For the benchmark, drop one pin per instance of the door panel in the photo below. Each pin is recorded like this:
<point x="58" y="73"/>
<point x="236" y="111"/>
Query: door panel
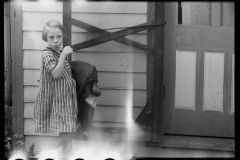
<point x="204" y="72"/>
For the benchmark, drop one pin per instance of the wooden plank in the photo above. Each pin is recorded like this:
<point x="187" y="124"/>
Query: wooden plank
<point x="116" y="62"/>
<point x="106" y="38"/>
<point x="205" y="143"/>
<point x="108" y="97"/>
<point x="81" y="37"/>
<point x="17" y="69"/>
<point x="32" y="58"/>
<point x="103" y="21"/>
<point x="169" y="77"/>
<point x="109" y="7"/>
<point x="100" y="32"/>
<point x="215" y="39"/>
<point x="145" y="113"/>
<point x="227" y="82"/>
<point x="233" y="85"/>
<point x="199" y="123"/>
<point x="185" y="79"/>
<point x="110" y="46"/>
<point x="34" y="21"/>
<point x="89" y="7"/>
<point x="199" y="81"/>
<point x="108" y="80"/>
<point x="42" y="6"/>
<point x="195" y="13"/>
<point x="67" y="16"/>
<point x="213" y="81"/>
<point x="104" y="61"/>
<point x="186" y="13"/>
<point x="6" y="36"/>
<point x="216" y="14"/>
<point x="33" y="41"/>
<point x="7" y="56"/>
<point x="228" y="14"/>
<point x="158" y="43"/>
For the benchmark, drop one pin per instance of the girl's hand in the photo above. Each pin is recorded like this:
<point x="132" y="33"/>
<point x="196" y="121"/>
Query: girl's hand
<point x="67" y="51"/>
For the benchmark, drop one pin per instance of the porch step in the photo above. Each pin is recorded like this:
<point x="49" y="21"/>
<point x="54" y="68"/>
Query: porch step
<point x="173" y="141"/>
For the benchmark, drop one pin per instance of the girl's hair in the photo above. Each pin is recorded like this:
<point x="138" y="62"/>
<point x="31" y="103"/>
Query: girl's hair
<point x="53" y="24"/>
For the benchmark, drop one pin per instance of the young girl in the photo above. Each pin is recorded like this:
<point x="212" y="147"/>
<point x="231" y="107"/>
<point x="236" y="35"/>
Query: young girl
<point x="55" y="109"/>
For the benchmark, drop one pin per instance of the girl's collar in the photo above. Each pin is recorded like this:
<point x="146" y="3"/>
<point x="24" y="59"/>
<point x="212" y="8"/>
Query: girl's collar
<point x="53" y="51"/>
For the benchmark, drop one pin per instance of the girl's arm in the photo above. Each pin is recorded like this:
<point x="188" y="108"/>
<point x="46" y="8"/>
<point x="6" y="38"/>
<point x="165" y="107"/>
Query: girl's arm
<point x="58" y="70"/>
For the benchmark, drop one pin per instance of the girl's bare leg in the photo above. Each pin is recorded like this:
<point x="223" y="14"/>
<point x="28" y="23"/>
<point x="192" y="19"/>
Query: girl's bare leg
<point x="95" y="89"/>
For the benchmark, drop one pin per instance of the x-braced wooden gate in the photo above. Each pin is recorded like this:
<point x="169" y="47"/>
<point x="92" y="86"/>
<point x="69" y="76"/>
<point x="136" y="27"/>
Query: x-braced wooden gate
<point x="154" y="48"/>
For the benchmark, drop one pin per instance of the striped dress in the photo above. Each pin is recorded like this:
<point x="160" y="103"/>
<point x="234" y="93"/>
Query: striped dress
<point x="55" y="109"/>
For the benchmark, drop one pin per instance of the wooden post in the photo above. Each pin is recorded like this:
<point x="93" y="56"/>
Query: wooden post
<point x="156" y="14"/>
<point x="17" y="71"/>
<point x="67" y="17"/>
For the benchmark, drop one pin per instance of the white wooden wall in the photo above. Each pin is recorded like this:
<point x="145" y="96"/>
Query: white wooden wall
<point x="115" y="62"/>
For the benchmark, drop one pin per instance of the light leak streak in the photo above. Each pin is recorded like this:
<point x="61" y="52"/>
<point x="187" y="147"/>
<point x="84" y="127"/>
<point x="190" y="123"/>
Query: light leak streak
<point x="18" y="154"/>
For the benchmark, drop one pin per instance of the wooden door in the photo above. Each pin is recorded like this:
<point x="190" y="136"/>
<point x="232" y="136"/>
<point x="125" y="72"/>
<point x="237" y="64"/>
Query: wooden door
<point x="199" y="69"/>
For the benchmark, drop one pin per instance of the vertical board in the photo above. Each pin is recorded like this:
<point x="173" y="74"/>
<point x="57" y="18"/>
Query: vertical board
<point x="233" y="85"/>
<point x="186" y="13"/>
<point x="228" y="14"/>
<point x="185" y="79"/>
<point x="196" y="13"/>
<point x="216" y="14"/>
<point x="213" y="81"/>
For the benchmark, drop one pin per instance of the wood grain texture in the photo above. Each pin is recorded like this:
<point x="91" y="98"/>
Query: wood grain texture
<point x="17" y="69"/>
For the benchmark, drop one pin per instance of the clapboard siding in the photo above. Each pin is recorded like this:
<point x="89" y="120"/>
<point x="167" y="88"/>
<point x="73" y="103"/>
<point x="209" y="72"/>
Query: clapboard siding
<point x="106" y="79"/>
<point x="33" y="40"/>
<point x="104" y="61"/>
<point x="108" y="97"/>
<point x="92" y="7"/>
<point x="103" y="21"/>
<point x="118" y="65"/>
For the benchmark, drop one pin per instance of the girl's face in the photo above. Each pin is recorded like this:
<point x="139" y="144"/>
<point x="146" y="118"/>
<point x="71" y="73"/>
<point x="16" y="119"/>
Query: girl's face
<point x="54" y="38"/>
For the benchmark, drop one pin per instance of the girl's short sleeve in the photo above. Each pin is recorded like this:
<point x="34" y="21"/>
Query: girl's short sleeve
<point x="49" y="61"/>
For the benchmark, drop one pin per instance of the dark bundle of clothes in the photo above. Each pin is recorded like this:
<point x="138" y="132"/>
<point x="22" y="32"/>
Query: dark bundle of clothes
<point x="85" y="76"/>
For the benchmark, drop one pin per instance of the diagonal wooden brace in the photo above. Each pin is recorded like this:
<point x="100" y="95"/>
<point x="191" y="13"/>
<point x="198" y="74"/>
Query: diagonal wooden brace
<point x="102" y="32"/>
<point x="107" y="36"/>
